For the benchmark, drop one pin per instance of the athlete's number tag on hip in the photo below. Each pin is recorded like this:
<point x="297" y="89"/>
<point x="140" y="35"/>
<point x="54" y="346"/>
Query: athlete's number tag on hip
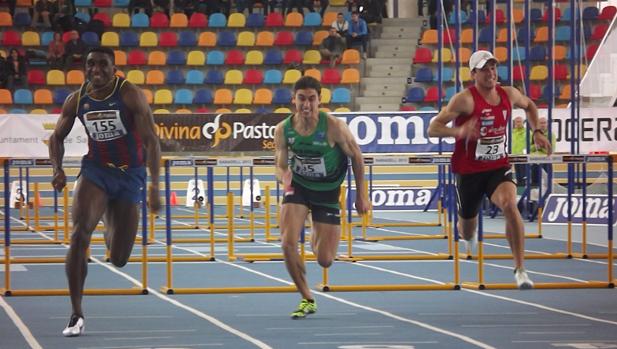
<point x="491" y="148"/>
<point x="310" y="167"/>
<point x="104" y="125"/>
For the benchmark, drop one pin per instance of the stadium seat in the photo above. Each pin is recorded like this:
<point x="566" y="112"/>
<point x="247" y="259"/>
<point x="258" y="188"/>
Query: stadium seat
<point x="500" y="17"/>
<point x="590" y="13"/>
<point x="234" y="57"/>
<point x="30" y="38"/>
<point x="446" y="55"/>
<point x="203" y="96"/>
<point x="255" y="20"/>
<point x="429" y="37"/>
<point x="253" y="77"/>
<point x="140" y="20"/>
<point x="535" y="15"/>
<point x="432" y="94"/>
<point x="137" y="57"/>
<point x="246" y="39"/>
<point x="591" y="51"/>
<point x="450" y="91"/>
<point x="318" y="37"/>
<point x="328" y="18"/>
<point x="39" y="111"/>
<point x="176" y="57"/>
<point x="519" y="73"/>
<point x="292" y="56"/>
<point x="243" y="96"/>
<point x="502" y="36"/>
<point x="254" y="57"/>
<point x="422" y="55"/>
<point x="342" y="110"/>
<point x="102" y="3"/>
<point x="598" y="32"/>
<point x="159" y="20"/>
<point x="464" y="74"/>
<point x="341" y="95"/>
<point x="202" y="110"/>
<point x="178" y="20"/>
<point x="233" y="77"/>
<point x="75" y="77"/>
<point x="314" y="73"/>
<point x="282" y="110"/>
<point x="183" y="111"/>
<point x="215" y="57"/>
<point x="538" y="53"/>
<point x="46" y="38"/>
<point x="60" y="95"/>
<point x="120" y="3"/>
<point x="294" y="19"/>
<point x="350" y="76"/>
<point x="207" y="39"/>
<point x="273" y="76"/>
<point x="265" y="39"/>
<point x="291" y="76"/>
<point x="226" y="38"/>
<point x="503" y="74"/>
<point x="104" y="18"/>
<point x="174" y="77"/>
<point x="5" y="19"/>
<point x="281" y="96"/>
<point x="22" y="19"/>
<point x="110" y="39"/>
<point x="120" y="20"/>
<point x="157" y="58"/>
<point x="194" y="77"/>
<point x="148" y="39"/>
<point x="273" y="56"/>
<point x="43" y="96"/>
<point x="467" y="36"/>
<point x="91" y="39"/>
<point x="331" y="76"/>
<point x="214" y="77"/>
<point x="217" y="20"/>
<point x="196" y="58"/>
<point x="312" y="19"/>
<point x="325" y="95"/>
<point x="18" y="111"/>
<point x="22" y="96"/>
<point x="561" y="72"/>
<point x="541" y="35"/>
<point x="414" y="95"/>
<point x="168" y="39"/>
<point x="559" y="52"/>
<point x="311" y="57"/>
<point x="183" y="96"/>
<point x="565" y="92"/>
<point x="243" y="111"/>
<point x="161" y="111"/>
<point x="198" y="20"/>
<point x="6" y="97"/>
<point x="120" y="58"/>
<point x="304" y="38"/>
<point x="236" y="20"/>
<point x="163" y="96"/>
<point x="351" y="57"/>
<point x="36" y="77"/>
<point x="129" y="38"/>
<point x="154" y="77"/>
<point x="148" y="94"/>
<point x="549" y="95"/>
<point x="608" y="13"/>
<point x="11" y="38"/>
<point x="262" y="109"/>
<point x="464" y="54"/>
<point x="136" y="76"/>
<point x="223" y="96"/>
<point x="284" y="38"/>
<point x="486" y="35"/>
<point x="187" y="38"/>
<point x="522" y="35"/>
<point x="55" y="77"/>
<point x="535" y="92"/>
<point x="274" y="19"/>
<point x="562" y="33"/>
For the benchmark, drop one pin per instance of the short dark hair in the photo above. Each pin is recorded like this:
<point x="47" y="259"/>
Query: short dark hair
<point x="339" y="14"/>
<point x="105" y="50"/>
<point x="355" y="13"/>
<point x="307" y="82"/>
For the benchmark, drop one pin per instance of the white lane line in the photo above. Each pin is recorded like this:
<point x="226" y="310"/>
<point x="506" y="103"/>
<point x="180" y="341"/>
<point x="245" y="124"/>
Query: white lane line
<point x="575" y="324"/>
<point x="135" y="338"/>
<point x="140" y="331"/>
<point x="315" y="328"/>
<point x="122" y="317"/>
<point x="348" y="333"/>
<point x="170" y="346"/>
<point x="23" y="329"/>
<point x="550" y="332"/>
<point x="366" y="344"/>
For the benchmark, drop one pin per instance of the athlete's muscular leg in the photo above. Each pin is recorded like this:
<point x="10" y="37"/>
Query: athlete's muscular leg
<point x="121" y="221"/>
<point x="324" y="242"/>
<point x="467" y="227"/>
<point x="292" y="223"/>
<point x="505" y="198"/>
<point x="89" y="204"/>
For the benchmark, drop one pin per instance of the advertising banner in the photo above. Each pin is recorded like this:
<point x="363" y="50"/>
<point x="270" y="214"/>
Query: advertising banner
<point x="556" y="209"/>
<point x="400" y="198"/>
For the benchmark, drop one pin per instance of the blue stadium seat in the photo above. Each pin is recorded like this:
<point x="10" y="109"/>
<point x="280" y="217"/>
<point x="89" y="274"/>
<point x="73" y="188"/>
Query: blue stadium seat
<point x="183" y="96"/>
<point x="91" y="39"/>
<point x="22" y="19"/>
<point x="450" y="91"/>
<point x="273" y="76"/>
<point x="281" y="96"/>
<point x="535" y="14"/>
<point x="203" y="96"/>
<point x="273" y="56"/>
<point x="472" y="16"/>
<point x="255" y="20"/>
<point x="174" y="77"/>
<point x="262" y="109"/>
<point x="83" y="3"/>
<point x="83" y="16"/>
<point x="129" y="38"/>
<point x="546" y="92"/>
<point x="447" y="74"/>
<point x="341" y="95"/>
<point x="22" y="96"/>
<point x="590" y="13"/>
<point x="60" y="94"/>
<point x="217" y="20"/>
<point x="187" y="38"/>
<point x="176" y="57"/>
<point x="140" y="20"/>
<point x="414" y="95"/>
<point x="502" y="73"/>
<point x="452" y="18"/>
<point x="304" y="38"/>
<point x="46" y="38"/>
<point x="562" y="33"/>
<point x="120" y="3"/>
<point x="312" y="19"/>
<point x="215" y="57"/>
<point x="566" y="15"/>
<point x="195" y="77"/>
<point x="521" y="56"/>
<point x="486" y="35"/>
<point x="226" y="38"/>
<point x="214" y="77"/>
<point x="424" y="75"/>
<point x="17" y="111"/>
<point x="522" y="35"/>
<point x="538" y="53"/>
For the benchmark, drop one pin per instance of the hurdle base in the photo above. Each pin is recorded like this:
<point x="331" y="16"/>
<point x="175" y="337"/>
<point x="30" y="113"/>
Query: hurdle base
<point x="65" y="292"/>
<point x="401" y="287"/>
<point x="401" y="224"/>
<point x="35" y="242"/>
<point x="226" y="290"/>
<point x="557" y="255"/>
<point x="539" y="285"/>
<point x="403" y="237"/>
<point x="359" y="258"/>
<point x="265" y="257"/>
<point x="191" y="258"/>
<point x="35" y="260"/>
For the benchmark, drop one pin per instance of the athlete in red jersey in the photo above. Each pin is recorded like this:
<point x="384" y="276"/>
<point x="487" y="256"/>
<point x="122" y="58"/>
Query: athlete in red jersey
<point x="480" y="161"/>
<point x="120" y="130"/>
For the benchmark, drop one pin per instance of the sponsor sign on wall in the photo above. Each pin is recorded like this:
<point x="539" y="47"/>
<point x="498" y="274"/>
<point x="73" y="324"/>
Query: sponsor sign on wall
<point x="400" y="198"/>
<point x="556" y="209"/>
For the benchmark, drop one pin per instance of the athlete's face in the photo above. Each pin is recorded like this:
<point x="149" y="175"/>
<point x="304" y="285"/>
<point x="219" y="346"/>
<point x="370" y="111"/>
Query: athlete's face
<point x="307" y="102"/>
<point x="487" y="76"/>
<point x="99" y="69"/>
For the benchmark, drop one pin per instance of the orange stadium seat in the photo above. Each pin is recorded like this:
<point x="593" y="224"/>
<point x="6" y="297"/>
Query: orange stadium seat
<point x="155" y="77"/>
<point x="75" y="77"/>
<point x="120" y="58"/>
<point x="207" y="39"/>
<point x="263" y="96"/>
<point x="179" y="20"/>
<point x="314" y="73"/>
<point x="5" y="19"/>
<point x="223" y="96"/>
<point x="351" y="56"/>
<point x="157" y="58"/>
<point x="43" y="96"/>
<point x="294" y="19"/>
<point x="350" y="76"/>
<point x="149" y="96"/>
<point x="6" y="97"/>
<point x="328" y="18"/>
<point x="318" y="37"/>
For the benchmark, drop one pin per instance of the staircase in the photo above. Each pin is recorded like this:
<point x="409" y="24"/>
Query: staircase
<point x="385" y="79"/>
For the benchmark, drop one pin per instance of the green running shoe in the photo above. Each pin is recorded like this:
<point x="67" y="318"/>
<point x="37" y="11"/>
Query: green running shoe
<point x="304" y="308"/>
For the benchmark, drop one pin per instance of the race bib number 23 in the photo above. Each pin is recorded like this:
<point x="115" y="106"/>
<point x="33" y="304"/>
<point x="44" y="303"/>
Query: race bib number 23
<point x="491" y="148"/>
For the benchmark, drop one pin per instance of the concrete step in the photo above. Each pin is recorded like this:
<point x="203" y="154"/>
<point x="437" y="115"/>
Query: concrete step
<point x="403" y="22"/>
<point x="379" y="107"/>
<point x="395" y="54"/>
<point x="371" y="86"/>
<point x="395" y="49"/>
<point x="396" y="71"/>
<point x="381" y="81"/>
<point x="392" y="42"/>
<point x="409" y="30"/>
<point x="381" y="99"/>
<point x="372" y="62"/>
<point x="411" y="36"/>
<point x="384" y="93"/>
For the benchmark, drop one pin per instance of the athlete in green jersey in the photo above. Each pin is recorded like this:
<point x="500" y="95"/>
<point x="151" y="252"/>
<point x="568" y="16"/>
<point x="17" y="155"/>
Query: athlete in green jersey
<point x="312" y="152"/>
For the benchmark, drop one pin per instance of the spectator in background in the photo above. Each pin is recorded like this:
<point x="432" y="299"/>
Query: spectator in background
<point x="289" y="4"/>
<point x="4" y="71"/>
<point x="356" y="3"/>
<point x="161" y="6"/>
<point x="146" y="5"/>
<point x="323" y="4"/>
<point x="341" y="25"/>
<point x="64" y="19"/>
<point x="16" y="66"/>
<point x="42" y="10"/>
<point x="74" y="50"/>
<point x="220" y="6"/>
<point x="519" y="145"/>
<point x="332" y="47"/>
<point x="358" y="33"/>
<point x="537" y="150"/>
<point x="55" y="53"/>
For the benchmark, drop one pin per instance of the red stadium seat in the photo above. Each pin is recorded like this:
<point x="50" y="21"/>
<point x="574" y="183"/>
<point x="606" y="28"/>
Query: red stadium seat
<point x="432" y="94"/>
<point x="423" y="55"/>
<point x="137" y="57"/>
<point x="103" y="17"/>
<point x="331" y="76"/>
<point x="36" y="77"/>
<point x="253" y="77"/>
<point x="535" y="92"/>
<point x="274" y="19"/>
<point x="198" y="20"/>
<point x="519" y="73"/>
<point x="561" y="72"/>
<point x="292" y="56"/>
<point x="591" y="51"/>
<point x="284" y="38"/>
<point x="102" y="3"/>
<point x="11" y="38"/>
<point x="608" y="13"/>
<point x="159" y="20"/>
<point x="168" y="39"/>
<point x="234" y="57"/>
<point x="599" y="31"/>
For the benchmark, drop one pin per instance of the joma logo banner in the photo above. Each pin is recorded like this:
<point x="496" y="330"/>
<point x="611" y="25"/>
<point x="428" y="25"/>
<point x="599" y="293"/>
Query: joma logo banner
<point x="400" y="198"/>
<point x="556" y="209"/>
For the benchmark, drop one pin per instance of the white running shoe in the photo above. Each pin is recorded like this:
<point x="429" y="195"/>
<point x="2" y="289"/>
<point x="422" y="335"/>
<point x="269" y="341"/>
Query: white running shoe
<point x="470" y="245"/>
<point x="75" y="327"/>
<point x="523" y="282"/>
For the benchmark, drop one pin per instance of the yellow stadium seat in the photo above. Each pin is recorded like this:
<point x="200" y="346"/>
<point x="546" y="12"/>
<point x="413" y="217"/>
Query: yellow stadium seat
<point x="326" y="95"/>
<point x="342" y="110"/>
<point x="43" y="96"/>
<point x="157" y="58"/>
<point x="136" y="77"/>
<point x="312" y="72"/>
<point x="243" y="111"/>
<point x="282" y="110"/>
<point x="243" y="96"/>
<point x="184" y="111"/>
<point x="30" y="38"/>
<point x="328" y="18"/>
<point x="446" y="55"/>
<point x="39" y="111"/>
<point x="149" y="96"/>
<point x="110" y="39"/>
<point x="223" y="96"/>
<point x="350" y="56"/>
<point x="75" y="77"/>
<point x="291" y="76"/>
<point x="294" y="19"/>
<point x="465" y="74"/>
<point x="318" y="37"/>
<point x="254" y="57"/>
<point x="121" y="20"/>
<point x="155" y="77"/>
<point x="160" y="111"/>
<point x="223" y="111"/>
<point x="265" y="38"/>
<point x="196" y="58"/>
<point x="6" y="97"/>
<point x="233" y="77"/>
<point x="207" y="39"/>
<point x="350" y="76"/>
<point x="148" y="39"/>
<point x="538" y="73"/>
<point x="55" y="77"/>
<point x="236" y="20"/>
<point x="246" y="39"/>
<point x="263" y="96"/>
<point x="337" y="2"/>
<point x="163" y="96"/>
<point x="119" y="57"/>
<point x="311" y="57"/>
<point x="178" y="20"/>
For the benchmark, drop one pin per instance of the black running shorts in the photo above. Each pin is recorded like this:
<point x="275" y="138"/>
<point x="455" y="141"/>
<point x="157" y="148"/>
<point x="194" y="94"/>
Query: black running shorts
<point x="471" y="187"/>
<point x="324" y="205"/>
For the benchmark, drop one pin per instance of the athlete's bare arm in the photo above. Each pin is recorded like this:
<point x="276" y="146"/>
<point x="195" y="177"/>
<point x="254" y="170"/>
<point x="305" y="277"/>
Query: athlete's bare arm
<point x="136" y="102"/>
<point x="56" y="141"/>
<point x="281" y="156"/>
<point x="519" y="100"/>
<point x="460" y="104"/>
<point x="339" y="132"/>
